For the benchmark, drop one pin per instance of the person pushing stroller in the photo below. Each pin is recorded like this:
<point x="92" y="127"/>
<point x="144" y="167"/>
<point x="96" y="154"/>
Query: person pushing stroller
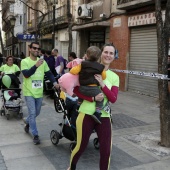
<point x="12" y="70"/>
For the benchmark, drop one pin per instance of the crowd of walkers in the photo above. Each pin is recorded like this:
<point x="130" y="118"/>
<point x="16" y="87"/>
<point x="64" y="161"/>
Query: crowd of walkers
<point x="98" y="88"/>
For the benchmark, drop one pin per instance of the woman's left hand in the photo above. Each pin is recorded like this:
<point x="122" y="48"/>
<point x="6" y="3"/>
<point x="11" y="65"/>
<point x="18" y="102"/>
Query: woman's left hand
<point x="98" y="77"/>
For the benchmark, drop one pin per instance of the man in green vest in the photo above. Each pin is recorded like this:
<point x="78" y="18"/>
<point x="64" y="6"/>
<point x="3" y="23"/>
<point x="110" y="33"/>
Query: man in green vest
<point x="33" y="69"/>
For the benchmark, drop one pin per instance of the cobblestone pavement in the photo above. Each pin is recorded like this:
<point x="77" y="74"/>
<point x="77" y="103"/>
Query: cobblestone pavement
<point x="132" y="114"/>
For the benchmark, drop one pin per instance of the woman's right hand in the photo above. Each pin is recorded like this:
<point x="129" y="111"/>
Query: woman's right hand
<point x="99" y="97"/>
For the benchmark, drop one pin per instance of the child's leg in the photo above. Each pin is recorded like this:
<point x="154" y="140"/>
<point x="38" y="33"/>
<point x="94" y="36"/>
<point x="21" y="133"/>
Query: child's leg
<point x="99" y="105"/>
<point x="97" y="114"/>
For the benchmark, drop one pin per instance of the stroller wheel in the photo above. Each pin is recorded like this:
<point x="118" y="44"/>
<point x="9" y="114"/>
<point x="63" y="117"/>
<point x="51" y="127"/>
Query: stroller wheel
<point x="72" y="146"/>
<point x="96" y="143"/>
<point x="7" y="116"/>
<point x="2" y="112"/>
<point x="54" y="136"/>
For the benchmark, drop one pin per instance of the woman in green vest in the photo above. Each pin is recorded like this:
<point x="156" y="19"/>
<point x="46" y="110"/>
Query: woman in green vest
<point x="12" y="70"/>
<point x="85" y="124"/>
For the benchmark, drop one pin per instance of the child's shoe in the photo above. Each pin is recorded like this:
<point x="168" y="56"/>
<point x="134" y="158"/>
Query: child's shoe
<point x="97" y="116"/>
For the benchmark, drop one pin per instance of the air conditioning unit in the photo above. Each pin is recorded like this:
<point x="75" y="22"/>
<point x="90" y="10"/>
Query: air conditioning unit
<point x="85" y="11"/>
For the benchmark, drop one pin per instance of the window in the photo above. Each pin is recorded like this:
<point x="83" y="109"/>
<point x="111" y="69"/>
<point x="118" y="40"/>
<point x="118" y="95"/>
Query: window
<point x="11" y="8"/>
<point x="20" y="19"/>
<point x="96" y="38"/>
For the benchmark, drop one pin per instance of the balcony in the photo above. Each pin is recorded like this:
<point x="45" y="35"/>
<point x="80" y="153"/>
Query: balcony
<point x="11" y="40"/>
<point x="5" y="25"/>
<point x="32" y="25"/>
<point x="6" y="20"/>
<point x="60" y="17"/>
<point x="132" y="4"/>
<point x="11" y="1"/>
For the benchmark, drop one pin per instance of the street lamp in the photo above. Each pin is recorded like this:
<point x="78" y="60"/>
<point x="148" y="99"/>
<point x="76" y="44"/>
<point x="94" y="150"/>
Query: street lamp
<point x="12" y="23"/>
<point x="54" y="2"/>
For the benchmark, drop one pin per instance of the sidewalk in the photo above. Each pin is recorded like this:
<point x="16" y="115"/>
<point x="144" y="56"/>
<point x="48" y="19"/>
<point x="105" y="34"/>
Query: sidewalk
<point x="135" y="136"/>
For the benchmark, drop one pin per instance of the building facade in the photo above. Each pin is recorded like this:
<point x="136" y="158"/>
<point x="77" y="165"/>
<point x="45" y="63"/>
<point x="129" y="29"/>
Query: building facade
<point x="77" y="24"/>
<point x="136" y="35"/>
<point x="51" y="23"/>
<point x="12" y="24"/>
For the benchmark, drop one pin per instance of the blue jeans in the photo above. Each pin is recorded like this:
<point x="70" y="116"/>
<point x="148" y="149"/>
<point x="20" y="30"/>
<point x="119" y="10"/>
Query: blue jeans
<point x="34" y="107"/>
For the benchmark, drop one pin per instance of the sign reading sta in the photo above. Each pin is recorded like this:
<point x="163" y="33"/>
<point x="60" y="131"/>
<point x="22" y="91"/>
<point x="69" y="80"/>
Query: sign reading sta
<point x="26" y="37"/>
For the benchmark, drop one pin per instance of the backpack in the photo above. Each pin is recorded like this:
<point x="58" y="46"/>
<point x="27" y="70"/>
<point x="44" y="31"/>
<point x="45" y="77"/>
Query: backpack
<point x="65" y="63"/>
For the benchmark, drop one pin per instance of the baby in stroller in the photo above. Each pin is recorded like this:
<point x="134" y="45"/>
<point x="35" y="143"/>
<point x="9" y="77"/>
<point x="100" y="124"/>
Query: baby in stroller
<point x="10" y="91"/>
<point x="11" y="99"/>
<point x="68" y="106"/>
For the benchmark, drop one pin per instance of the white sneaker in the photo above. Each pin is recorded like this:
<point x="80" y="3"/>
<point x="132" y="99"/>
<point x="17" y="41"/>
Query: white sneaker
<point x="18" y="101"/>
<point x="21" y="101"/>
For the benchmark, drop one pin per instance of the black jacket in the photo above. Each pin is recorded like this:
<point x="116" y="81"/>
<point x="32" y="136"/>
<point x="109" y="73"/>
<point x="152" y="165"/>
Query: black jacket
<point x="88" y="70"/>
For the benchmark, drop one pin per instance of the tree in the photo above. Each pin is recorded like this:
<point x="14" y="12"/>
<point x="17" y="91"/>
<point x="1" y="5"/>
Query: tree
<point x="3" y="10"/>
<point x="42" y="18"/>
<point x="163" y="34"/>
<point x="70" y="24"/>
<point x="2" y="45"/>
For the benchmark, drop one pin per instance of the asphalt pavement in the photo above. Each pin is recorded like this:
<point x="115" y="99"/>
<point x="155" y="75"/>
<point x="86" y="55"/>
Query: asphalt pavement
<point x="136" y="129"/>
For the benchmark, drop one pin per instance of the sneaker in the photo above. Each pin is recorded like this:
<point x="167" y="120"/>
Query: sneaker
<point x="36" y="140"/>
<point x="17" y="101"/>
<point x="96" y="117"/>
<point x="26" y="128"/>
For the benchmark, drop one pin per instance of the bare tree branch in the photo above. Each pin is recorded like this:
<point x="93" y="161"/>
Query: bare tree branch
<point x="31" y="7"/>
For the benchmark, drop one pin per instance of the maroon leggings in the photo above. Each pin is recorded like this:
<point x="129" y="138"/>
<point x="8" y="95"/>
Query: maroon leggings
<point x="85" y="125"/>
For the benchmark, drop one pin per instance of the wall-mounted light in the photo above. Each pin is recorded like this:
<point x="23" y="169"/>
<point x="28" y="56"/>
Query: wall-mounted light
<point x="12" y="21"/>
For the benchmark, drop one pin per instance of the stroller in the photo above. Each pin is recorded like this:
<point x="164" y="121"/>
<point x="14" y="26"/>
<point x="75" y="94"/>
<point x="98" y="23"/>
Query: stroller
<point x="48" y="86"/>
<point x="11" y="98"/>
<point x="68" y="125"/>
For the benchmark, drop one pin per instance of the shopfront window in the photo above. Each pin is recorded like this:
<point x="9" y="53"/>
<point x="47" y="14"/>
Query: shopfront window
<point x="97" y="38"/>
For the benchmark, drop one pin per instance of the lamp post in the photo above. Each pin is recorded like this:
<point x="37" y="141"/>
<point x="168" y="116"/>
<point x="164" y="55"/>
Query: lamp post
<point x="53" y="31"/>
<point x="12" y="23"/>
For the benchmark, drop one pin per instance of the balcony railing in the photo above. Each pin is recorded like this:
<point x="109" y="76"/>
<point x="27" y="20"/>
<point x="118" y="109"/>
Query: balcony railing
<point x="11" y="40"/>
<point x="130" y="4"/>
<point x="32" y="25"/>
<point x="60" y="18"/>
<point x="123" y="1"/>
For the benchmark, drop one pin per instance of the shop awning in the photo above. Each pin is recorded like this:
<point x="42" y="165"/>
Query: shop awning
<point x="94" y="24"/>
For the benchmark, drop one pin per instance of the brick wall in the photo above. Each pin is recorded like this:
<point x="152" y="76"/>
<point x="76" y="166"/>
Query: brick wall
<point x="120" y="36"/>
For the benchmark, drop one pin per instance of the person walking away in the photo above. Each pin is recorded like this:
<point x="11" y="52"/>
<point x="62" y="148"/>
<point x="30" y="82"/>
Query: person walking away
<point x="85" y="124"/>
<point x="59" y="62"/>
<point x="50" y="61"/>
<point x="89" y="86"/>
<point x="33" y="70"/>
<point x="42" y="54"/>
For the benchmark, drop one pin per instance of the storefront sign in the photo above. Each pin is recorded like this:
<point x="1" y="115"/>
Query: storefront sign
<point x="117" y="22"/>
<point x="143" y="19"/>
<point x="26" y="37"/>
